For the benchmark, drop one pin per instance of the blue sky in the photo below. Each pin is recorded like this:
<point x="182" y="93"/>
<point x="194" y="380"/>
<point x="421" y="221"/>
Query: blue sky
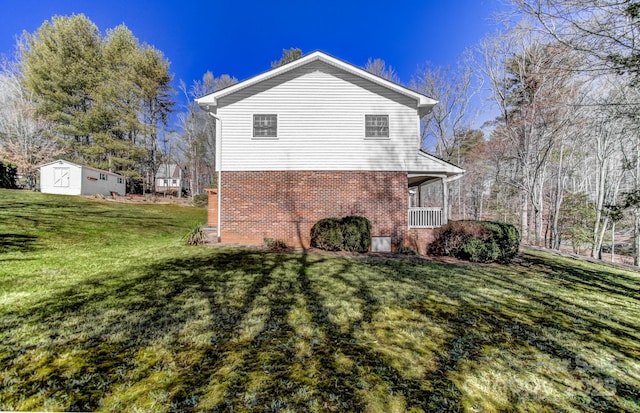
<point x="241" y="38"/>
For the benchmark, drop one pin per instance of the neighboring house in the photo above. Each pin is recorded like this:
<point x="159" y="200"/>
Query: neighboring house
<point x="170" y="179"/>
<point x="68" y="178"/>
<point x="317" y="138"/>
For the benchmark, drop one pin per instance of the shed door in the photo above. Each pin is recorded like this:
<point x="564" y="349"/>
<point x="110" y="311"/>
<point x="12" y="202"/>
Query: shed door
<point x="61" y="177"/>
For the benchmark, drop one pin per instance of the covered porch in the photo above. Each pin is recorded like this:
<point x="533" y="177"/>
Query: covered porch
<point x="428" y="201"/>
<point x="428" y="191"/>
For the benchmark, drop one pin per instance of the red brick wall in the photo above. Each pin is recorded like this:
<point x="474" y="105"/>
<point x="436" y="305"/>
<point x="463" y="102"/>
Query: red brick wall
<point x="212" y="209"/>
<point x="284" y="205"/>
<point x="419" y="239"/>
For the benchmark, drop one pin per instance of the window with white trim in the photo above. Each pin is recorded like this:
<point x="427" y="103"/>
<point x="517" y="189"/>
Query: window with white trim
<point x="265" y="126"/>
<point x="103" y="177"/>
<point x="376" y="126"/>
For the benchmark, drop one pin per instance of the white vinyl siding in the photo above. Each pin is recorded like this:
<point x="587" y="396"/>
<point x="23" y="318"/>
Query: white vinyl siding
<point x="63" y="177"/>
<point x="320" y="124"/>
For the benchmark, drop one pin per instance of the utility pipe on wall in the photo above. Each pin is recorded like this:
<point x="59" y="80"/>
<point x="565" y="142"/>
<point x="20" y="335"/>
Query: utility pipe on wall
<point x="218" y="167"/>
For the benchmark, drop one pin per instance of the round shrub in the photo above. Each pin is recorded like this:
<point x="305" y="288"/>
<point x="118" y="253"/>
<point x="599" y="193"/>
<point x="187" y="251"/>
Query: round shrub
<point x="352" y="233"/>
<point x="326" y="234"/>
<point x="356" y="233"/>
<point x="506" y="237"/>
<point x="477" y="241"/>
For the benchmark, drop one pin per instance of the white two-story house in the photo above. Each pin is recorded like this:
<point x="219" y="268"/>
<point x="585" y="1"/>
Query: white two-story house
<point x="318" y="138"/>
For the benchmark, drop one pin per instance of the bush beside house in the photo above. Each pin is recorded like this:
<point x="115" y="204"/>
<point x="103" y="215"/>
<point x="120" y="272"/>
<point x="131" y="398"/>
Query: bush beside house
<point x="352" y="233"/>
<point x="477" y="241"/>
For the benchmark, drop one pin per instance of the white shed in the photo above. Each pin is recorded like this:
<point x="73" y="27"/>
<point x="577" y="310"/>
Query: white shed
<point x="68" y="178"/>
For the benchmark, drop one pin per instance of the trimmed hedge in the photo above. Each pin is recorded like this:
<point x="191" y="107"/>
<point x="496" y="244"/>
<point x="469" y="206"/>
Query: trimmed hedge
<point x="477" y="241"/>
<point x="352" y="233"/>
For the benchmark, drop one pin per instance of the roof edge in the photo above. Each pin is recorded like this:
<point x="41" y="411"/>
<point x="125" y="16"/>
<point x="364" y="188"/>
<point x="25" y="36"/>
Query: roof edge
<point x="423" y="103"/>
<point x="80" y="166"/>
<point x="424" y="153"/>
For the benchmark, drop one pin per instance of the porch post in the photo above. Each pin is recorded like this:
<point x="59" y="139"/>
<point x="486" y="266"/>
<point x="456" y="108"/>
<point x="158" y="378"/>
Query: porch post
<point x="445" y="201"/>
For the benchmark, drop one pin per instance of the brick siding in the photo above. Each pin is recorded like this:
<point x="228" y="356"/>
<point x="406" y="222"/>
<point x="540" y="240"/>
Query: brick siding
<point x="212" y="209"/>
<point x="284" y="205"/>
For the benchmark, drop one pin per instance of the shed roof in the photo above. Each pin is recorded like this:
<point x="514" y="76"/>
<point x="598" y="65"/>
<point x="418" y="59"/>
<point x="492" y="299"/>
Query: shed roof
<point x="62" y="162"/>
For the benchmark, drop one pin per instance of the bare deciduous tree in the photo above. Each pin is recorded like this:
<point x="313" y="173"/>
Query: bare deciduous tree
<point x="605" y="31"/>
<point x="536" y="97"/>
<point x="25" y="136"/>
<point x="197" y="141"/>
<point x="379" y="67"/>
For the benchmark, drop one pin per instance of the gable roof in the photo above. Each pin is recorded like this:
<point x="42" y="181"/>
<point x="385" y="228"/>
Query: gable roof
<point x="63" y="161"/>
<point x="168" y="170"/>
<point x="424" y="104"/>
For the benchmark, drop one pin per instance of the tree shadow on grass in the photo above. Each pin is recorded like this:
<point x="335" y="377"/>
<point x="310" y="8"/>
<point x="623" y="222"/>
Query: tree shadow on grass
<point x="17" y="243"/>
<point x="491" y="322"/>
<point x="613" y="281"/>
<point x="214" y="331"/>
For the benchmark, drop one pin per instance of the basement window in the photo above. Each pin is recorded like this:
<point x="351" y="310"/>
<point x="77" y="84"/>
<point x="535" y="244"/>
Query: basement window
<point x="376" y="126"/>
<point x="265" y="126"/>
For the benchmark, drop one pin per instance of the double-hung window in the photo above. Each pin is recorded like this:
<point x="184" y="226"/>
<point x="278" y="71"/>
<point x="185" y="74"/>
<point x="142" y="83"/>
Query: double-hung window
<point x="376" y="126"/>
<point x="265" y="126"/>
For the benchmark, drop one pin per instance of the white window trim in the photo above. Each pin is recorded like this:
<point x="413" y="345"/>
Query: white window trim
<point x="264" y="138"/>
<point x="377" y="138"/>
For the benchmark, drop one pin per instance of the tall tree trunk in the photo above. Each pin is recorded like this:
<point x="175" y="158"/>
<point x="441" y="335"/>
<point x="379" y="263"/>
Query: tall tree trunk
<point x="599" y="205"/>
<point x="559" y="194"/>
<point x="524" y="219"/>
<point x="636" y="239"/>
<point x="613" y="241"/>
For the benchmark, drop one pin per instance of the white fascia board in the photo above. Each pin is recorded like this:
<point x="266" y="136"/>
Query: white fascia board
<point x="430" y="174"/>
<point x="424" y="104"/>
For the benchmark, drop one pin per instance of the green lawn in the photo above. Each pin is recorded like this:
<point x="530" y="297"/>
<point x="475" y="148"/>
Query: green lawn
<point x="102" y="307"/>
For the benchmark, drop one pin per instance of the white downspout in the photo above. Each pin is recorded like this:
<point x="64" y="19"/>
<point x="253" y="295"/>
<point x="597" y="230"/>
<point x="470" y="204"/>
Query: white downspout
<point x="218" y="168"/>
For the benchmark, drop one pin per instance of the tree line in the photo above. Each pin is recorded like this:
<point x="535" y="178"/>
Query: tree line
<point x="560" y="157"/>
<point x="104" y="101"/>
<point x="99" y="100"/>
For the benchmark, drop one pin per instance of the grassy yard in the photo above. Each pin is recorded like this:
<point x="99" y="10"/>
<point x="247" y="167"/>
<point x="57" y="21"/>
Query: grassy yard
<point x="102" y="307"/>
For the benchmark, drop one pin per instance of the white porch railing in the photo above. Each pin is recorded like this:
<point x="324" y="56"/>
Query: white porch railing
<point x="425" y="217"/>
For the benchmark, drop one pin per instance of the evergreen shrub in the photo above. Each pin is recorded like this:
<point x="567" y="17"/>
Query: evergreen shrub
<point x="8" y="175"/>
<point x="326" y="234"/>
<point x="352" y="233"/>
<point x="356" y="233"/>
<point x="477" y="241"/>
